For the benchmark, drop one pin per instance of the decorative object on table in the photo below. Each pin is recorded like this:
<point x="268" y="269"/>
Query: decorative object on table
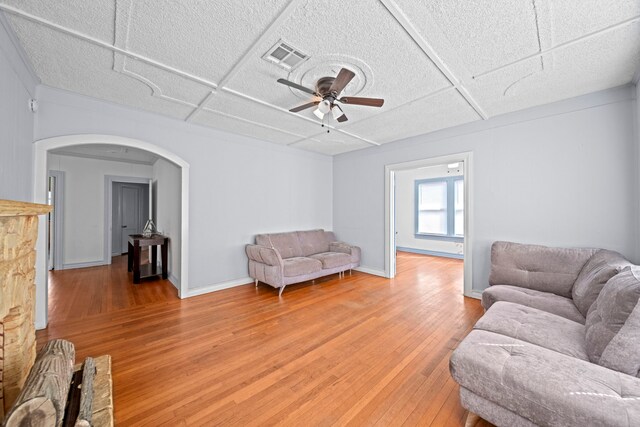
<point x="149" y="228"/>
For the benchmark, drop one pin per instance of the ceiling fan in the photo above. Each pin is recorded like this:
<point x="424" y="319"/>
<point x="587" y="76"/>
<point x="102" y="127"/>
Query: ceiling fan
<point x="327" y="93"/>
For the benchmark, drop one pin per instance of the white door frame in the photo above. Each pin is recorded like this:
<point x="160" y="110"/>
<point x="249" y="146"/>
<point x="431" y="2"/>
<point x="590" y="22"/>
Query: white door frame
<point x="40" y="169"/>
<point x="58" y="219"/>
<point x="108" y="209"/>
<point x="389" y="212"/>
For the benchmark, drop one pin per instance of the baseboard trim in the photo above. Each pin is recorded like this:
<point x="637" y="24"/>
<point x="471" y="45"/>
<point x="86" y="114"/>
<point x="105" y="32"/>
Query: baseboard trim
<point x="373" y="271"/>
<point x="174" y="281"/>
<point x="73" y="265"/>
<point x="432" y="253"/>
<point x="40" y="326"/>
<point x="474" y="294"/>
<point x="219" y="286"/>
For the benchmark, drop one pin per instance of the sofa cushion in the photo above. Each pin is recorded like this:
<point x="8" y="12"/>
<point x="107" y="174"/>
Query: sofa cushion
<point x="623" y="352"/>
<point x="544" y="386"/>
<point x="300" y="265"/>
<point x="537" y="267"/>
<point x="601" y="267"/>
<point x="536" y="327"/>
<point x="314" y="241"/>
<point x="332" y="259"/>
<point x="544" y="301"/>
<point x="287" y="244"/>
<point x="610" y="312"/>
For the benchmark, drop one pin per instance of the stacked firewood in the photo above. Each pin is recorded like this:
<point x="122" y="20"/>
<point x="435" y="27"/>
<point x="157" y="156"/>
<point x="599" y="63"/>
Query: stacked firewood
<point x="53" y="393"/>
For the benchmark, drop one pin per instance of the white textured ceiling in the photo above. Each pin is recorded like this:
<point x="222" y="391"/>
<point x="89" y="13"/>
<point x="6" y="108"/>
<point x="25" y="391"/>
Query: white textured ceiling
<point x="437" y="64"/>
<point x="109" y="152"/>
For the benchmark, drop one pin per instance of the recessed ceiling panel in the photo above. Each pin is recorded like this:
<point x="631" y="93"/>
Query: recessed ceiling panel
<point x="586" y="67"/>
<point x="205" y="38"/>
<point x="253" y="111"/>
<point x="571" y="19"/>
<point x="65" y="62"/>
<point x="425" y="115"/>
<point x="332" y="143"/>
<point x="483" y="34"/>
<point x="244" y="127"/>
<point x="165" y="84"/>
<point x="94" y="18"/>
<point x="363" y="37"/>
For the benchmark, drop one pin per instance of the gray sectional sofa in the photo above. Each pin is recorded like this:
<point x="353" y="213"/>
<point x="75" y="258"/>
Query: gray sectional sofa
<point x="559" y="344"/>
<point x="281" y="259"/>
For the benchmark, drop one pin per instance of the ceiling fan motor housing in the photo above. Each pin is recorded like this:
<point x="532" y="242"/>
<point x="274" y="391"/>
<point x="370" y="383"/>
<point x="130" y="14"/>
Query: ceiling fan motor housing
<point x="323" y="85"/>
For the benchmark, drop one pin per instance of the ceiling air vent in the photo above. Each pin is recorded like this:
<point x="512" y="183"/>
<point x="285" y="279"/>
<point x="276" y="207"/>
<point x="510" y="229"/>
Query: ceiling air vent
<point x="285" y="55"/>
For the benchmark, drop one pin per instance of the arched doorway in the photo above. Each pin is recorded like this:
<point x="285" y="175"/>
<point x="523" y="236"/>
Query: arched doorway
<point x="41" y="148"/>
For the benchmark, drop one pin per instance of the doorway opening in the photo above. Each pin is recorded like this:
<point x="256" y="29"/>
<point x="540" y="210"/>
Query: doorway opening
<point x="177" y="200"/>
<point x="428" y="213"/>
<point x="429" y="221"/>
<point x="130" y="204"/>
<point x="55" y="219"/>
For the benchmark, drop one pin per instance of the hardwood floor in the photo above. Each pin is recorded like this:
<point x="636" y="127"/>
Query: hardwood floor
<point x="76" y="294"/>
<point x="361" y="350"/>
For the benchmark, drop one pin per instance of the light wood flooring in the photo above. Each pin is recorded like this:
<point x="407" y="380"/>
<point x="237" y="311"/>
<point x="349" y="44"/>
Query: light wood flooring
<point x="361" y="350"/>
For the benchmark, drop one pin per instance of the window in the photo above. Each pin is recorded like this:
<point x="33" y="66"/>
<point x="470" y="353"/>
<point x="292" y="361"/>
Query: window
<point x="439" y="208"/>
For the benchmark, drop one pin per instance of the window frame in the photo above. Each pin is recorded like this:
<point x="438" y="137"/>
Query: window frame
<point x="450" y="210"/>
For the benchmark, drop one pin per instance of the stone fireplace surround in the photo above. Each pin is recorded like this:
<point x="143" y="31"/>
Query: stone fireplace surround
<point x="18" y="234"/>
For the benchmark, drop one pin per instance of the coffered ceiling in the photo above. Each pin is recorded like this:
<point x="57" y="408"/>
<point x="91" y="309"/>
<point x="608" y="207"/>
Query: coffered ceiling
<point x="436" y="63"/>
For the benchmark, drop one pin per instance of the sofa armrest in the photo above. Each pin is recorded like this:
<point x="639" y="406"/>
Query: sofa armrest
<point x="346" y="248"/>
<point x="264" y="255"/>
<point x="542" y="385"/>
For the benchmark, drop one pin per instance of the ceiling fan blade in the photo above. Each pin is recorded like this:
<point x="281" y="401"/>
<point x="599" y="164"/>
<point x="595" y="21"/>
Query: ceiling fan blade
<point x="342" y="118"/>
<point x="342" y="79"/>
<point x="297" y="86"/>
<point x="304" y="107"/>
<point x="370" y="102"/>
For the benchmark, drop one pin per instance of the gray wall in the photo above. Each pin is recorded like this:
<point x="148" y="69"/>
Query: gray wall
<point x="167" y="181"/>
<point x="239" y="186"/>
<point x="17" y="86"/>
<point x="83" y="222"/>
<point x="563" y="174"/>
<point x="84" y="199"/>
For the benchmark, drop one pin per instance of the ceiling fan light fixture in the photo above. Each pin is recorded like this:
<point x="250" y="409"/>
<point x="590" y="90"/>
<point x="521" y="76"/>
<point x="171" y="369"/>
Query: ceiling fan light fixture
<point x="319" y="114"/>
<point x="324" y="107"/>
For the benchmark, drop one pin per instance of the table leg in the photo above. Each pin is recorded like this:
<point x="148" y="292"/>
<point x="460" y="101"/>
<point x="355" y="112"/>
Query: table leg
<point x="165" y="266"/>
<point x="129" y="257"/>
<point x="136" y="262"/>
<point x="154" y="258"/>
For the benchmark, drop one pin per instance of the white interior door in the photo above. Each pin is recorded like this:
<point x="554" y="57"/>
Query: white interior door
<point x="130" y="206"/>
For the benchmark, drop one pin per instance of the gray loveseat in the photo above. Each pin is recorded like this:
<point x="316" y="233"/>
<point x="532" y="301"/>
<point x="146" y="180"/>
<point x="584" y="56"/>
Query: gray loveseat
<point x="559" y="344"/>
<point x="281" y="259"/>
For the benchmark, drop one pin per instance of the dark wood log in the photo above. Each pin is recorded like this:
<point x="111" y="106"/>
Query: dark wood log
<point x="44" y="394"/>
<point x="73" y="401"/>
<point x="86" y="396"/>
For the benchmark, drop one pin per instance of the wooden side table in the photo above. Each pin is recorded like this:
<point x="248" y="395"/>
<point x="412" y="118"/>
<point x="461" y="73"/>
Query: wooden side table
<point x="138" y="241"/>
